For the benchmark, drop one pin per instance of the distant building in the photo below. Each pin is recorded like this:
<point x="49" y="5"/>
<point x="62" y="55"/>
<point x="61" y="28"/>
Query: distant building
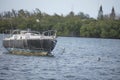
<point x="100" y="13"/>
<point x="112" y="14"/>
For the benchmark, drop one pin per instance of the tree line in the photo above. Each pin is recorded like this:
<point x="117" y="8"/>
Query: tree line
<point x="70" y="25"/>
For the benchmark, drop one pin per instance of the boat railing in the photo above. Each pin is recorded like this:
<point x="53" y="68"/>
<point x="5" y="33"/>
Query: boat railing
<point x="49" y="33"/>
<point x="7" y="33"/>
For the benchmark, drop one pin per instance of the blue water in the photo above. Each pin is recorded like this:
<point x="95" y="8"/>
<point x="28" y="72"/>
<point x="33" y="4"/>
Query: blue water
<point x="74" y="59"/>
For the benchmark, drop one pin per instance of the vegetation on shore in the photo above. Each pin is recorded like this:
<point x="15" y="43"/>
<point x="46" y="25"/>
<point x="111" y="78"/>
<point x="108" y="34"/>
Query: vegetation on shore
<point x="70" y="25"/>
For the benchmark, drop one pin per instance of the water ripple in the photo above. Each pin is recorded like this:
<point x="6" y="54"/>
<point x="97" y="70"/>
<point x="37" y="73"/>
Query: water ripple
<point x="74" y="59"/>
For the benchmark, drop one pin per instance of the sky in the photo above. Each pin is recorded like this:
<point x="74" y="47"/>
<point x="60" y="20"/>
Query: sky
<point x="90" y="7"/>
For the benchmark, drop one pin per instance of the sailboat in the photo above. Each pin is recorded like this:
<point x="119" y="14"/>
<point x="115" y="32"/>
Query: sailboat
<point x="29" y="42"/>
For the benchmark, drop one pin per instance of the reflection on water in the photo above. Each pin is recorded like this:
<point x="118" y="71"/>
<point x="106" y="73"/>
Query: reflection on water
<point x="74" y="59"/>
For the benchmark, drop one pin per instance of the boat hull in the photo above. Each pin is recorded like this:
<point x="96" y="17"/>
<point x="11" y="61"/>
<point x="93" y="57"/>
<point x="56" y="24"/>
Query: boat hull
<point x="34" y="46"/>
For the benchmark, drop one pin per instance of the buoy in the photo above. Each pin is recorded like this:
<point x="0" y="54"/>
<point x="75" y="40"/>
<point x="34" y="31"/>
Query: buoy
<point x="99" y="58"/>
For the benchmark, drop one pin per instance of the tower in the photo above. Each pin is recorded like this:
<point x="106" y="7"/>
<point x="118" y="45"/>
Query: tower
<point x="112" y="14"/>
<point x="100" y="13"/>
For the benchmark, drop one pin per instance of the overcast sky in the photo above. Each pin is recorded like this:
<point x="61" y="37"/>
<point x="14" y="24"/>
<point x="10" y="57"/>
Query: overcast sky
<point x="90" y="7"/>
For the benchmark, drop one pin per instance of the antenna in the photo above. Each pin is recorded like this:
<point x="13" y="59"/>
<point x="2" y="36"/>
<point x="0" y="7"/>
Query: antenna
<point x="72" y="8"/>
<point x="100" y="3"/>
